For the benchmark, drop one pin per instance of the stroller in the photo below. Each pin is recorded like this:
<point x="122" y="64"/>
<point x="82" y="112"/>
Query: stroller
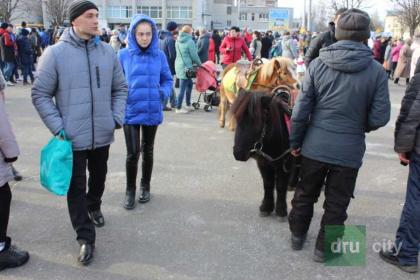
<point x="207" y="84"/>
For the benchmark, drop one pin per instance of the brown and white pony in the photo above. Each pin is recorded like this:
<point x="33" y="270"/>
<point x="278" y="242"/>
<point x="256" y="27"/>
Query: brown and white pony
<point x="277" y="72"/>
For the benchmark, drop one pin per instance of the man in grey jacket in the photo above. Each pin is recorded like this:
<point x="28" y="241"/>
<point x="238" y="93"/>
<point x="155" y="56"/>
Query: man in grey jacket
<point x="405" y="252"/>
<point x="81" y="89"/>
<point x="344" y="95"/>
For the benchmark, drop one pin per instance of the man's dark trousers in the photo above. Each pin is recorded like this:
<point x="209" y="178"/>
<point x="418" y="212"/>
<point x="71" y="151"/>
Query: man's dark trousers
<point x="80" y="202"/>
<point x="408" y="234"/>
<point x="340" y="183"/>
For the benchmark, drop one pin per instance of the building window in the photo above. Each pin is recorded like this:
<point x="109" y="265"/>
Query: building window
<point x="264" y="17"/>
<point x="127" y="11"/>
<point x="120" y="11"/>
<point x="243" y="16"/>
<point x="252" y="16"/>
<point x="179" y="12"/>
<point x="145" y="10"/>
<point x="229" y="10"/>
<point x="156" y="12"/>
<point x="229" y="23"/>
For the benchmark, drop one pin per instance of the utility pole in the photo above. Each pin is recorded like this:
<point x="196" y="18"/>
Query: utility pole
<point x="310" y="16"/>
<point x="304" y="15"/>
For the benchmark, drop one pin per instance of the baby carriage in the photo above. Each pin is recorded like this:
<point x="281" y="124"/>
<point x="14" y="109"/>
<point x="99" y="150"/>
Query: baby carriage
<point x="207" y="84"/>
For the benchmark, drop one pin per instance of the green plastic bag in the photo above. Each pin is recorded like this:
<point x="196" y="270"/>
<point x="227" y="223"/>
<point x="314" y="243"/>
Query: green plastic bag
<point x="57" y="164"/>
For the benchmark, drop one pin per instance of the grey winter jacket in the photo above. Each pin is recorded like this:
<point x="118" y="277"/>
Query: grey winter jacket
<point x="203" y="45"/>
<point x="344" y="95"/>
<point x="80" y="87"/>
<point x="289" y="47"/>
<point x="8" y="146"/>
<point x="407" y="128"/>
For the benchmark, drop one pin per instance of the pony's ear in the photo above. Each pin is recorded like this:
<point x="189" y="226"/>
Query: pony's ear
<point x="276" y="65"/>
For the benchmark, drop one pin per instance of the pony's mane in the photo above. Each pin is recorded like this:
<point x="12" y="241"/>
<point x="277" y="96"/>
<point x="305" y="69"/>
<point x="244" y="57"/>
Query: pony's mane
<point x="267" y="69"/>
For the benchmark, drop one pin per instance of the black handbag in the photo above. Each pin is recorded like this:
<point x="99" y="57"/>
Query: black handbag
<point x="189" y="72"/>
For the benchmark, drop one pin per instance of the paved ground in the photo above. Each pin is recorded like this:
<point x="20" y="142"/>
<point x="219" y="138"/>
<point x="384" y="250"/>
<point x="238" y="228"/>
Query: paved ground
<point x="202" y="222"/>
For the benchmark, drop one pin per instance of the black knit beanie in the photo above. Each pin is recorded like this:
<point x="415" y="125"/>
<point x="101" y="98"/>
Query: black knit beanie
<point x="79" y="7"/>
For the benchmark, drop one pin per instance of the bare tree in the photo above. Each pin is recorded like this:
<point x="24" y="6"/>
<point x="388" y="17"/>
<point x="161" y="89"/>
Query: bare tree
<point x="409" y="13"/>
<point x="319" y="15"/>
<point x="57" y="11"/>
<point x="349" y="4"/>
<point x="9" y="9"/>
<point x="376" y="24"/>
<point x="30" y="8"/>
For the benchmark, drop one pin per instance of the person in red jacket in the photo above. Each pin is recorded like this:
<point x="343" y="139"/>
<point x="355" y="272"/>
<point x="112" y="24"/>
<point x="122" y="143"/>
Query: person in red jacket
<point x="232" y="47"/>
<point x="212" y="50"/>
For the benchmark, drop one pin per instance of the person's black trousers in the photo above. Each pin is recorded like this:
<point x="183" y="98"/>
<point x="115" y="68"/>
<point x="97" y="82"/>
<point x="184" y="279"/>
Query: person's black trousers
<point x="80" y="202"/>
<point x="5" y="200"/>
<point x="340" y="184"/>
<point x="134" y="147"/>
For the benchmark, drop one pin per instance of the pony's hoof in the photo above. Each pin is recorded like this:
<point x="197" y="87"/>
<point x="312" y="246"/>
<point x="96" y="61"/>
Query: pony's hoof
<point x="264" y="214"/>
<point x="222" y="125"/>
<point x="282" y="219"/>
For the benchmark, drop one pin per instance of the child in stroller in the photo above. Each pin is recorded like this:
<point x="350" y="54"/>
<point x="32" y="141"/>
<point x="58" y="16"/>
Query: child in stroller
<point x="207" y="84"/>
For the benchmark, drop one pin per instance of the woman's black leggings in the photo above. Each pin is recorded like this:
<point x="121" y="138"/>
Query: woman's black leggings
<point x="5" y="200"/>
<point x="134" y="147"/>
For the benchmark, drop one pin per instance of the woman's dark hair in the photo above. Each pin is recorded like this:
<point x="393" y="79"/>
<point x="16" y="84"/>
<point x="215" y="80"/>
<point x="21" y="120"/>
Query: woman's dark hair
<point x="235" y="28"/>
<point x="258" y="34"/>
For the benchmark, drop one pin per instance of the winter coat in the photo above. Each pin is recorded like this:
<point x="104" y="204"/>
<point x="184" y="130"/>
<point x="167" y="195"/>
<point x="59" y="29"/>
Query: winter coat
<point x="7" y="44"/>
<point x="266" y="42"/>
<point x="395" y="53"/>
<point x="25" y="50"/>
<point x="404" y="63"/>
<point x="388" y="57"/>
<point x="323" y="40"/>
<point x="167" y="45"/>
<point x="217" y="42"/>
<point x="203" y="45"/>
<point x="212" y="50"/>
<point x="186" y="55"/>
<point x="8" y="146"/>
<point x="407" y="128"/>
<point x="115" y="43"/>
<point x="344" y="95"/>
<point x="414" y="59"/>
<point x="88" y="87"/>
<point x="148" y="76"/>
<point x="289" y="47"/>
<point x="232" y="49"/>
<point x="377" y="51"/>
<point x="255" y="48"/>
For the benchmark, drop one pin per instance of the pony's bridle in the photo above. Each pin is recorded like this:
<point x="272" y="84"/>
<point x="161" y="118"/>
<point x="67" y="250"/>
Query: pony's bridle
<point x="281" y="91"/>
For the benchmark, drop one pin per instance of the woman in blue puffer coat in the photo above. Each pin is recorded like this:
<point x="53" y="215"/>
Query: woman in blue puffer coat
<point x="149" y="82"/>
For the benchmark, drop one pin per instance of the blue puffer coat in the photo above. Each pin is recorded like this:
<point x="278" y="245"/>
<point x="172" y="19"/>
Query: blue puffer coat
<point x="148" y="76"/>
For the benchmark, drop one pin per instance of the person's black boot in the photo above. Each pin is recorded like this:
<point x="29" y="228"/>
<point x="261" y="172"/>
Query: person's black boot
<point x="97" y="218"/>
<point x="11" y="256"/>
<point x="86" y="253"/>
<point x="144" y="192"/>
<point x="392" y="258"/>
<point x="130" y="198"/>
<point x="298" y="241"/>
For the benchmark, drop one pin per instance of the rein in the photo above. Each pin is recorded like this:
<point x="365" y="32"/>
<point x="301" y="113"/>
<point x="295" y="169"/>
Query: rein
<point x="258" y="145"/>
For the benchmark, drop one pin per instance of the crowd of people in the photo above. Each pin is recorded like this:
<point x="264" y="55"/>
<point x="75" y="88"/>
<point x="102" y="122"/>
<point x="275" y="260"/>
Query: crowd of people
<point x="125" y="79"/>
